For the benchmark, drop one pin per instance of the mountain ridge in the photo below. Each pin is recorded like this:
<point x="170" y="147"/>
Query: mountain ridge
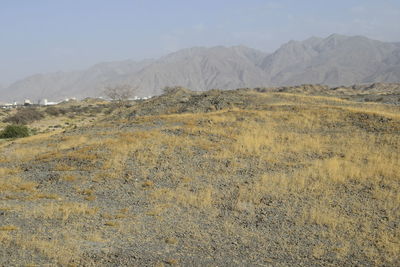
<point x="336" y="60"/>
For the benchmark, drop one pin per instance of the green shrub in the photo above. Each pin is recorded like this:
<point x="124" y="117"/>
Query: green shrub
<point x="14" y="131"/>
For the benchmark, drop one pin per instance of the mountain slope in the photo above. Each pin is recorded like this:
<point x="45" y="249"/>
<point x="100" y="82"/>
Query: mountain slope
<point x="198" y="68"/>
<point x="60" y="85"/>
<point x="335" y="60"/>
<point x="202" y="68"/>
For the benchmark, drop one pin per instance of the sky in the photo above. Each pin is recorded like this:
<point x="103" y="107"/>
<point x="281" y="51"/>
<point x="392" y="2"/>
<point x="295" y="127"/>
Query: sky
<point x="38" y="36"/>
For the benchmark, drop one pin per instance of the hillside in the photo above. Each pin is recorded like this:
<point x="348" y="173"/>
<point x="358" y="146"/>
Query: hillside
<point x="334" y="61"/>
<point x="60" y="85"/>
<point x="266" y="177"/>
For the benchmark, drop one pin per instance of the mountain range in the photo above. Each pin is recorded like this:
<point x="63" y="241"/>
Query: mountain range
<point x="334" y="61"/>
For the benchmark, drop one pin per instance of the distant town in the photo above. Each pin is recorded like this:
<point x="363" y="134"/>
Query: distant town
<point x="28" y="102"/>
<point x="45" y="102"/>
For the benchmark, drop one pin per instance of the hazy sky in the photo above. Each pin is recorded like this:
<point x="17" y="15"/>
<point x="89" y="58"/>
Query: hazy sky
<point x="51" y="35"/>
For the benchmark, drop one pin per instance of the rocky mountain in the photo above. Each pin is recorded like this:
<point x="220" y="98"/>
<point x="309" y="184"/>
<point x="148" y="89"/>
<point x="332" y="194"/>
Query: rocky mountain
<point x="59" y="85"/>
<point x="335" y="60"/>
<point x="201" y="69"/>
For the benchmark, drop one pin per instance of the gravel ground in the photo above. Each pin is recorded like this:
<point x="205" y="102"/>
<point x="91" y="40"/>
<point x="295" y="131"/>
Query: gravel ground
<point x="189" y="179"/>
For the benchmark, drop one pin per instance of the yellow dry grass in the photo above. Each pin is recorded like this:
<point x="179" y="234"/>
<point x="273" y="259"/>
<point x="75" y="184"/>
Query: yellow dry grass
<point x="16" y="184"/>
<point x="60" y="211"/>
<point x="308" y="153"/>
<point x="8" y="228"/>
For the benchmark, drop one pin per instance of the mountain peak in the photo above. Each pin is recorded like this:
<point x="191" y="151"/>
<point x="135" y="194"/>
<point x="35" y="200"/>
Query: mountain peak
<point x="337" y="36"/>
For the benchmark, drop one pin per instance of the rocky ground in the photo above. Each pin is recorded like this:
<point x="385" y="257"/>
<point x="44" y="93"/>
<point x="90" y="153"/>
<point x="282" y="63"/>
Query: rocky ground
<point x="234" y="178"/>
<point x="388" y="93"/>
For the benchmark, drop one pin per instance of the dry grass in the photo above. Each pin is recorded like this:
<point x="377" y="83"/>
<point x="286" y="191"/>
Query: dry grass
<point x="8" y="228"/>
<point x="16" y="184"/>
<point x="61" y="211"/>
<point x="315" y="161"/>
<point x="61" y="250"/>
<point x="347" y="160"/>
<point x="9" y="171"/>
<point x="70" y="178"/>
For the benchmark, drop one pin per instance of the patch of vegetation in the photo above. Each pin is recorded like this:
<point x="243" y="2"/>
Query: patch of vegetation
<point x="25" y="116"/>
<point x="55" y="111"/>
<point x="15" y="131"/>
<point x="120" y="94"/>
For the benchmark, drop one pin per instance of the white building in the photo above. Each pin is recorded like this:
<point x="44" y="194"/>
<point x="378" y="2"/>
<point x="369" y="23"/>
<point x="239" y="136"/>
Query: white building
<point x="47" y="103"/>
<point x="8" y="105"/>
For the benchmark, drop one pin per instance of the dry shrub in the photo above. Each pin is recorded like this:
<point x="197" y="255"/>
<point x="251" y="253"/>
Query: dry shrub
<point x="25" y="116"/>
